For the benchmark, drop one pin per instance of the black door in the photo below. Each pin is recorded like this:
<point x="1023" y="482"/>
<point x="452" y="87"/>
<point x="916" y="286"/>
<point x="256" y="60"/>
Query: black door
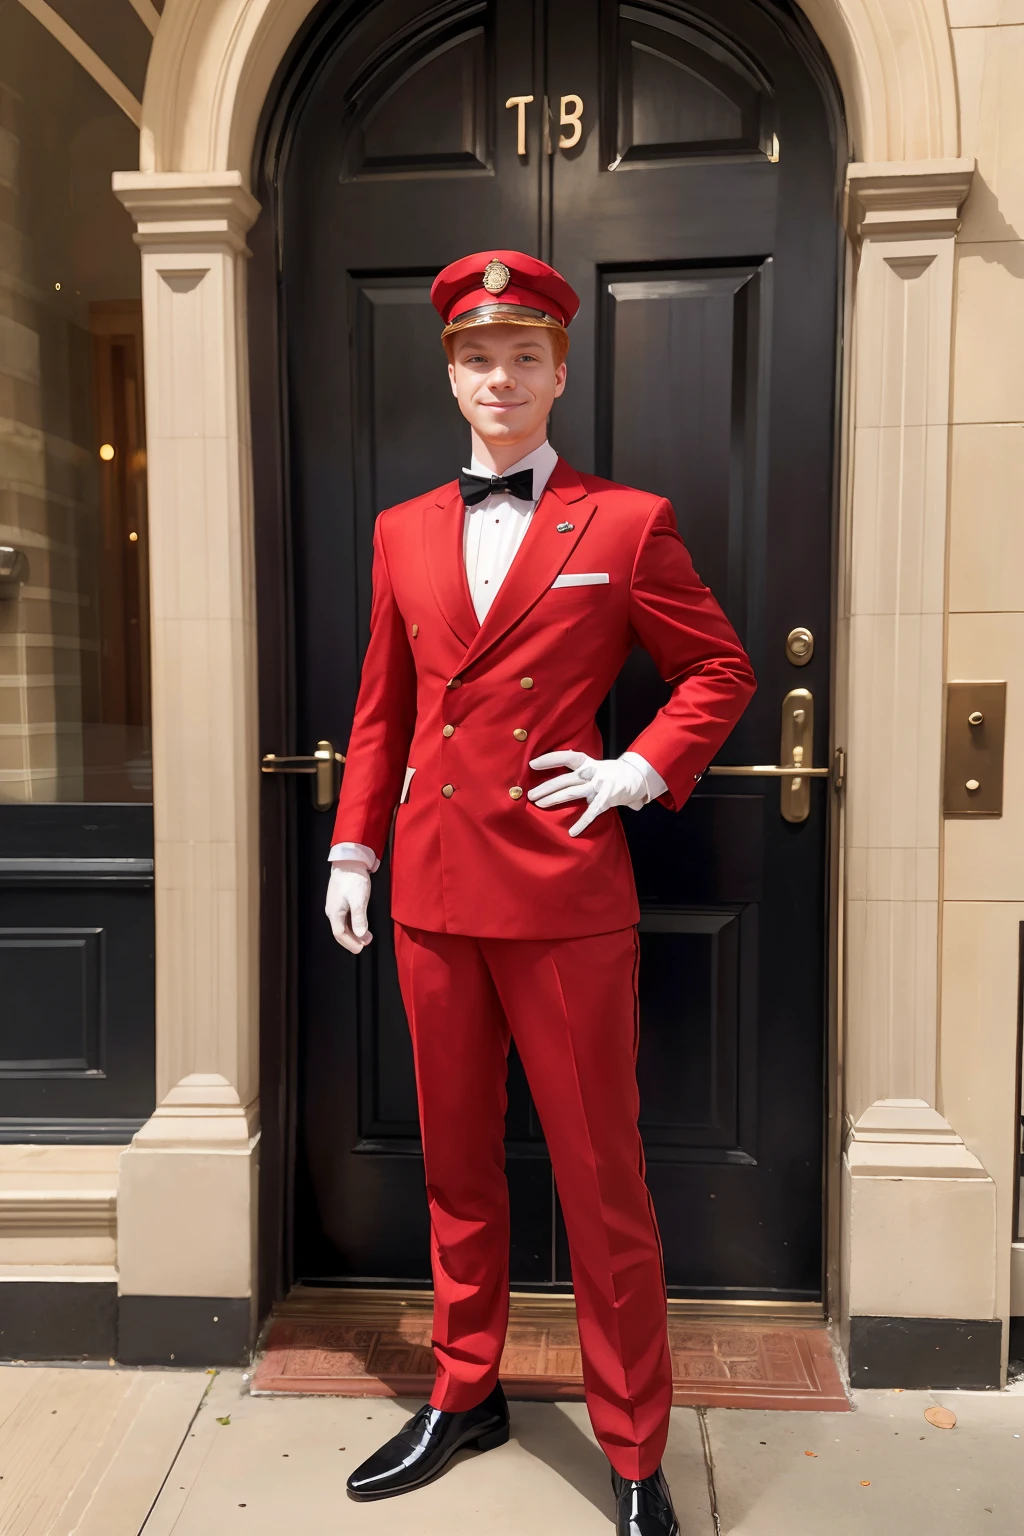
<point x="680" y="169"/>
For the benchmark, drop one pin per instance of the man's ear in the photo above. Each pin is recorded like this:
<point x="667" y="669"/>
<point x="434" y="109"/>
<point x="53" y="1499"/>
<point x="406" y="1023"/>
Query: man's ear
<point x="451" y="376"/>
<point x="560" y="375"/>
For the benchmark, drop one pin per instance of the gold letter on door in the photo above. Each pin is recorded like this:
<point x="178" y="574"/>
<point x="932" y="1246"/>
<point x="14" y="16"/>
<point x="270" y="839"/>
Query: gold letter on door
<point x="522" y="102"/>
<point x="571" y="118"/>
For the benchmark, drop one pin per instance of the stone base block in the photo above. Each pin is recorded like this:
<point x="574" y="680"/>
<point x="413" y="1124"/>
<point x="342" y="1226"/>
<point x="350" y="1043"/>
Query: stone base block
<point x="185" y="1330"/>
<point x="58" y="1319"/>
<point x="920" y="1352"/>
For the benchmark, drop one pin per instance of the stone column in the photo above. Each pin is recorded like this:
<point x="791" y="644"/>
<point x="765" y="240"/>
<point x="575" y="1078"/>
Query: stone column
<point x="918" y="1207"/>
<point x="187" y="1195"/>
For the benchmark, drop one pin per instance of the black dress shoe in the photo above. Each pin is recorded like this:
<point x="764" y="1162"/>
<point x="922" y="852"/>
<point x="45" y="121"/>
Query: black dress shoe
<point x="424" y="1447"/>
<point x="644" y="1506"/>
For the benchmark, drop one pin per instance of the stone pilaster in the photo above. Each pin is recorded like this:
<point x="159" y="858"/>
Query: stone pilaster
<point x="186" y="1203"/>
<point x="918" y="1207"/>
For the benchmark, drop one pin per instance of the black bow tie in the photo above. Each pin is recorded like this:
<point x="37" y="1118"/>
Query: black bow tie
<point x="475" y="488"/>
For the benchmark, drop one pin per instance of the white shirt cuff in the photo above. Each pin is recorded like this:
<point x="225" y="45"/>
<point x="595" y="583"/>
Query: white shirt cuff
<point x="357" y="853"/>
<point x="653" y="782"/>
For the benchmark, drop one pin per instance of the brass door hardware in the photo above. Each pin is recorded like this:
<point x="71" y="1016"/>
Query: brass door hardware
<point x="799" y="646"/>
<point x="520" y="103"/>
<point x="323" y="765"/>
<point x="975" y="733"/>
<point x="796" y="749"/>
<point x="570" y="121"/>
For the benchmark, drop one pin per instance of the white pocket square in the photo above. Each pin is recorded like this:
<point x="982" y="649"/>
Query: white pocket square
<point x="581" y="579"/>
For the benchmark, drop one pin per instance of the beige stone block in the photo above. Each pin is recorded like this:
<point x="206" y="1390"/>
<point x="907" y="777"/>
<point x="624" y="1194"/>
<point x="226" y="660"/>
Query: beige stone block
<point x="983" y="855"/>
<point x="918" y="1247"/>
<point x="890" y="999"/>
<point x="902" y="332"/>
<point x="898" y="520"/>
<point x="986" y="535"/>
<point x="988" y="380"/>
<point x="54" y="1248"/>
<point x="894" y="731"/>
<point x="978" y="1089"/>
<point x="990" y="72"/>
<point x="186" y="1221"/>
<point x="984" y="13"/>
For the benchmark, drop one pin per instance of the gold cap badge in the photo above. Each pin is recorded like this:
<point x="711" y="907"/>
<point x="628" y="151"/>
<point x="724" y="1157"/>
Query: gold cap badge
<point x="496" y="277"/>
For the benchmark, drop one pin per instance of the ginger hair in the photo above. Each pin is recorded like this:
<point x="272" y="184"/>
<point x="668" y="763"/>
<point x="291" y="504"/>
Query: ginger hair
<point x="559" y="343"/>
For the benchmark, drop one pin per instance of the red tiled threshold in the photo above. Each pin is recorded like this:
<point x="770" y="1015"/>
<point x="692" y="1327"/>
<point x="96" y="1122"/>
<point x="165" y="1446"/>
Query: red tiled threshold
<point x="377" y="1344"/>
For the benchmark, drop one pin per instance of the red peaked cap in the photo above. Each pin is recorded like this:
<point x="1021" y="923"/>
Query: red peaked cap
<point x="493" y="287"/>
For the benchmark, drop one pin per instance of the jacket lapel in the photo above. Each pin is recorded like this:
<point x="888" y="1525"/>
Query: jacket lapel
<point x="538" y="560"/>
<point x="446" y="566"/>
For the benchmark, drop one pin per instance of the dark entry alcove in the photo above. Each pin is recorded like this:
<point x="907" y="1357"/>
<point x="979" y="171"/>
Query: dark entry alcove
<point x="696" y="214"/>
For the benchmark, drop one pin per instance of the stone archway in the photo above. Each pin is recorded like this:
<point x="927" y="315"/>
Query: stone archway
<point x="213" y="62"/>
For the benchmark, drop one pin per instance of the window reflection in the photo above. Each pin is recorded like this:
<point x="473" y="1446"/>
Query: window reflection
<point x="74" y="620"/>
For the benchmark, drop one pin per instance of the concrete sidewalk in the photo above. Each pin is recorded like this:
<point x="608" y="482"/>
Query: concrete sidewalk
<point x="882" y="1469"/>
<point x="277" y="1466"/>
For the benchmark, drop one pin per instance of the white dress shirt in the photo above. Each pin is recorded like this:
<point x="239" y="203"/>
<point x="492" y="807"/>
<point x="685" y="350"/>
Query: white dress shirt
<point x="495" y="527"/>
<point x="491" y="535"/>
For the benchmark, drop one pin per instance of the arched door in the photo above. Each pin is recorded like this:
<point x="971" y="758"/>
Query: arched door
<point x="678" y="162"/>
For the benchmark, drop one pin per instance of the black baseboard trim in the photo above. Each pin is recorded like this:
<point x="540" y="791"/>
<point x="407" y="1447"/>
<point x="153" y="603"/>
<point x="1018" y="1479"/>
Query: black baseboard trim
<point x="1017" y="1339"/>
<point x="185" y="1330"/>
<point x="58" y="1319"/>
<point x="918" y="1352"/>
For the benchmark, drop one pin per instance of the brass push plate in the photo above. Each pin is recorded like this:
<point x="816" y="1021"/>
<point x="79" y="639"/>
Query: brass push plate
<point x="975" y="732"/>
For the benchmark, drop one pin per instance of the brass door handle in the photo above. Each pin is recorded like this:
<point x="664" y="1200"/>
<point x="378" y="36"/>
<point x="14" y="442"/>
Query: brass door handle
<point x="322" y="764"/>
<point x="797" y="746"/>
<point x="773" y="771"/>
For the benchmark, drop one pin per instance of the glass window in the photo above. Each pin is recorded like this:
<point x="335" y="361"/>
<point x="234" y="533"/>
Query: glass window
<point x="74" y="606"/>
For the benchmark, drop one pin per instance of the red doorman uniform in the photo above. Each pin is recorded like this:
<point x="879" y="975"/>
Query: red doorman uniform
<point x="506" y="925"/>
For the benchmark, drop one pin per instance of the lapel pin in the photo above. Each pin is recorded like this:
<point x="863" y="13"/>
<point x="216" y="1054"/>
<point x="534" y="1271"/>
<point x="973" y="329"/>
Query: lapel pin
<point x="565" y="527"/>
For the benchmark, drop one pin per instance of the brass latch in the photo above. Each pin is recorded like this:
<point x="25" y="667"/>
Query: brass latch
<point x="795" y="751"/>
<point x="324" y="765"/>
<point x="975" y="732"/>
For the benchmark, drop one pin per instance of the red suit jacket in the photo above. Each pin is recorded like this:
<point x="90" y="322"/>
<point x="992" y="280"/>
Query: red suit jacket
<point x="478" y="859"/>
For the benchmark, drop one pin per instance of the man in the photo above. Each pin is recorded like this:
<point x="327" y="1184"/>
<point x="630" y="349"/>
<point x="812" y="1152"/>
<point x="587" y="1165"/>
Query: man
<point x="504" y="605"/>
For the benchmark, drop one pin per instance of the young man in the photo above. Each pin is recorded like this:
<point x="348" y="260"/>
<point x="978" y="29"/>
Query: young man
<point x="504" y="605"/>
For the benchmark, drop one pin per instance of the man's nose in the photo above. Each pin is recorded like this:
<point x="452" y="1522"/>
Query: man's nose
<point x="501" y="378"/>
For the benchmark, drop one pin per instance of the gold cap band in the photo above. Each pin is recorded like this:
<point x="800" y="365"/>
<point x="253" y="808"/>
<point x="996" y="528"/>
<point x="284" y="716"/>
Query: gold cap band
<point x="502" y="314"/>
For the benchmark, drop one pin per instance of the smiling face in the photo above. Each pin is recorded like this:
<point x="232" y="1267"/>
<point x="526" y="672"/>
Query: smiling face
<point x="505" y="378"/>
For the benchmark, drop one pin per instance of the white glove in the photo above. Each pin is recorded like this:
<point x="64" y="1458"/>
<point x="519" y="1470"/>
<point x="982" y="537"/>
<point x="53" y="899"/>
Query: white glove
<point x="348" y="893"/>
<point x="612" y="781"/>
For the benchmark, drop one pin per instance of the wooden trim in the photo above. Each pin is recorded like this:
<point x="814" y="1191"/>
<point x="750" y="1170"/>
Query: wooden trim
<point x="89" y="59"/>
<point x="316" y="1302"/>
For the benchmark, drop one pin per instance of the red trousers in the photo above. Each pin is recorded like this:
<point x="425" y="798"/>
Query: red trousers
<point x="570" y="1005"/>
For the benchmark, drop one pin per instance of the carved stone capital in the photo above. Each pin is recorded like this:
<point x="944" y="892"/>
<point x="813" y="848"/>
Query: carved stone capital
<point x="906" y="198"/>
<point x="187" y="209"/>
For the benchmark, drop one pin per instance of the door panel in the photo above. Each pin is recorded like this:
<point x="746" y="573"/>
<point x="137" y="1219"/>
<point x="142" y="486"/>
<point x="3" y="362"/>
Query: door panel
<point x="701" y="367"/>
<point x="377" y="198"/>
<point x="713" y="377"/>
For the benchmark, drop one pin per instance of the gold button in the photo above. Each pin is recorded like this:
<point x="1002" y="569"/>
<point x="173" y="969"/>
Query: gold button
<point x="456" y="682"/>
<point x="526" y="682"/>
<point x="415" y="630"/>
<point x="447" y="790"/>
<point x="516" y="792"/>
<point x="519" y="733"/>
<point x="449" y="730"/>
